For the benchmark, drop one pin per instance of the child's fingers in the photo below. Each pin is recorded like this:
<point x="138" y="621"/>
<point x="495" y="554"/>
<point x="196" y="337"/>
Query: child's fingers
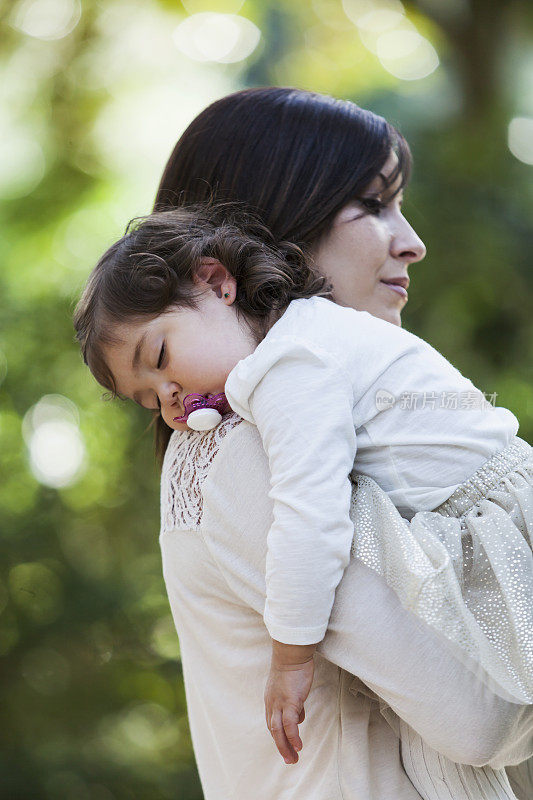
<point x="291" y="718"/>
<point x="277" y="730"/>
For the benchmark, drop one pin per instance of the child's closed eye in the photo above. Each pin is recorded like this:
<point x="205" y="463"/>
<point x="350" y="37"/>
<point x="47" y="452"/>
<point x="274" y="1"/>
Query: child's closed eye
<point x="161" y="357"/>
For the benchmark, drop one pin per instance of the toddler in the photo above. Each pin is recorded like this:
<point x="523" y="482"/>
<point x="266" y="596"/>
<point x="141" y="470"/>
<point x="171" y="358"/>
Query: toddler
<point x="198" y="311"/>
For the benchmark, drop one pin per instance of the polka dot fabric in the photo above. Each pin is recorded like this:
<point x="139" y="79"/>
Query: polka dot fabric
<point x="466" y="568"/>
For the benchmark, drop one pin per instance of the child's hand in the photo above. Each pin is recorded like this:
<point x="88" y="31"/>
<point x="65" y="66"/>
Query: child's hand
<point x="287" y="688"/>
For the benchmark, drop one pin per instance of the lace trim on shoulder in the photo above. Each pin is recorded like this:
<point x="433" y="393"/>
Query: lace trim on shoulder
<point x="188" y="458"/>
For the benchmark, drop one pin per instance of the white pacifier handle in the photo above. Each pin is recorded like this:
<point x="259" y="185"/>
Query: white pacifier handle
<point x="204" y="419"/>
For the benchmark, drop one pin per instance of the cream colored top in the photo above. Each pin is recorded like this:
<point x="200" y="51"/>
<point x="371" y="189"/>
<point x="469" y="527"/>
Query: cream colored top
<point x="216" y="514"/>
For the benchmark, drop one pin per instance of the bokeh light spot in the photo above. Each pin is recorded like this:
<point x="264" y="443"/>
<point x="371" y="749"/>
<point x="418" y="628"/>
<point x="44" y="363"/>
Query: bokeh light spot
<point x="137" y="733"/>
<point x="54" y="440"/>
<point x="520" y="139"/>
<point x="224" y="38"/>
<point x="164" y="640"/>
<point x="47" y="19"/>
<point x="222" y="6"/>
<point x="370" y="13"/>
<point x="49" y="407"/>
<point x="406" y="54"/>
<point x="382" y="19"/>
<point x="57" y="452"/>
<point x="150" y="726"/>
<point x="397" y="44"/>
<point x="22" y="163"/>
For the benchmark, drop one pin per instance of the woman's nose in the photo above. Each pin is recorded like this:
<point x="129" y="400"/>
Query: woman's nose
<point x="406" y="245"/>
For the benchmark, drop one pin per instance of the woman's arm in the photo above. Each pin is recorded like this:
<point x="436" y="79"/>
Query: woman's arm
<point x="370" y="634"/>
<point x="414" y="671"/>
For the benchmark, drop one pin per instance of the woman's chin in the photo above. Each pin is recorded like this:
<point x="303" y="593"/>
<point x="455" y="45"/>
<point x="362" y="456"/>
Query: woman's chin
<point x="392" y="315"/>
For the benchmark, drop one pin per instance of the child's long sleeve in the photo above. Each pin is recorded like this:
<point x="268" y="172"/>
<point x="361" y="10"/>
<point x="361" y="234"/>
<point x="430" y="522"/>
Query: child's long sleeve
<point x="301" y="401"/>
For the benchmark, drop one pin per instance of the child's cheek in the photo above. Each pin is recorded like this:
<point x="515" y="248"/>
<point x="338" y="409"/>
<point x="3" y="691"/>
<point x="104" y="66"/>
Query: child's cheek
<point x="180" y="426"/>
<point x="176" y="426"/>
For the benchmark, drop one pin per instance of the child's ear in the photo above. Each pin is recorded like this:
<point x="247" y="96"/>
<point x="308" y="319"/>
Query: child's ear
<point x="214" y="275"/>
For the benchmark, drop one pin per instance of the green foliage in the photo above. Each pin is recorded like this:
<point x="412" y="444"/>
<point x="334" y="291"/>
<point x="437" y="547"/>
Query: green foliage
<point x="94" y="705"/>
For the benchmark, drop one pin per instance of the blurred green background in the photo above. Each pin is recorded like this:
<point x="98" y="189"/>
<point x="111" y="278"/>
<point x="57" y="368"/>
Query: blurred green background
<point x="94" y="95"/>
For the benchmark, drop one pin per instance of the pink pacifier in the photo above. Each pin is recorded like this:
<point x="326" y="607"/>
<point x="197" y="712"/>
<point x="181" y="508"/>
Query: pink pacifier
<point x="203" y="413"/>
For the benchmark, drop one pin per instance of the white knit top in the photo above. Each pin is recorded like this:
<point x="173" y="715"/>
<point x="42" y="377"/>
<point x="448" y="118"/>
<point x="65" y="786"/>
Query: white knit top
<point x="331" y="389"/>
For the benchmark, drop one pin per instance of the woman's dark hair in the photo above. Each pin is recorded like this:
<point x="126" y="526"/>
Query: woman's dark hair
<point x="294" y="157"/>
<point x="153" y="267"/>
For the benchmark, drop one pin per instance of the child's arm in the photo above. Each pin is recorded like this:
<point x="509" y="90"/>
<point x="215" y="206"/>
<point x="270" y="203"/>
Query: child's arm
<point x="301" y="400"/>
<point x="289" y="682"/>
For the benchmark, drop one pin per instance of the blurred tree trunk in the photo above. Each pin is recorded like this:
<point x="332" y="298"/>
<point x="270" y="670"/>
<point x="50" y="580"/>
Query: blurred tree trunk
<point x="479" y="34"/>
<point x="478" y="37"/>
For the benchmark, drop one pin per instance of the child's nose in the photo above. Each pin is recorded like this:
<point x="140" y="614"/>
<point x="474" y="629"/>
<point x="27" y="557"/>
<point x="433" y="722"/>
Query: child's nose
<point x="171" y="394"/>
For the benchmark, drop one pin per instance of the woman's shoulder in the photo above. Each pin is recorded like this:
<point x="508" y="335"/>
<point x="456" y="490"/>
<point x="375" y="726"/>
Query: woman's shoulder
<point x="188" y="459"/>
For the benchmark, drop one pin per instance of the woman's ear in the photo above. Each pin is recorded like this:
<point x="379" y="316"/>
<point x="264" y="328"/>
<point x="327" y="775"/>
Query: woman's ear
<point x="214" y="276"/>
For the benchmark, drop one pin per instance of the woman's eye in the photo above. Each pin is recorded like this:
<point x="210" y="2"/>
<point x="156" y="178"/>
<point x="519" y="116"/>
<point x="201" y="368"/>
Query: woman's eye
<point x="372" y="204"/>
<point x="161" y="356"/>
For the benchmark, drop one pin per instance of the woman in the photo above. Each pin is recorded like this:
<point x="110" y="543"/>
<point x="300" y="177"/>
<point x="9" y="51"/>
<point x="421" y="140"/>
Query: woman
<point x="302" y="161"/>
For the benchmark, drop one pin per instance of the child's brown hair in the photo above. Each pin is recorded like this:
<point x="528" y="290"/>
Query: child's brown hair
<point x="153" y="266"/>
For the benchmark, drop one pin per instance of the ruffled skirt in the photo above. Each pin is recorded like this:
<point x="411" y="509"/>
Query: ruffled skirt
<point x="466" y="568"/>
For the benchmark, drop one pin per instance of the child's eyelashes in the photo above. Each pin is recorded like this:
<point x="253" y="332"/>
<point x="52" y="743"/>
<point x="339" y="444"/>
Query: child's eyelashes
<point x="161" y="356"/>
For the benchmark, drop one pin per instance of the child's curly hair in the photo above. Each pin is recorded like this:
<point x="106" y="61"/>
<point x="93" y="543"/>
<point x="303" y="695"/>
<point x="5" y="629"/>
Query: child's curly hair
<point x="153" y="267"/>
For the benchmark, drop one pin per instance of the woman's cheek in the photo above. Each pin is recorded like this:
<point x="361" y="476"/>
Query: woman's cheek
<point x="375" y="228"/>
<point x="378" y="243"/>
